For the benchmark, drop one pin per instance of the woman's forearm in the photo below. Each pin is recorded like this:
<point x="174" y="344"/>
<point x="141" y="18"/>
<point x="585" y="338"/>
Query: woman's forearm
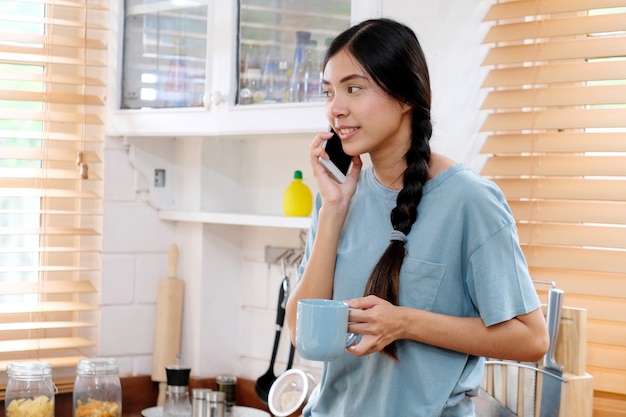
<point x="522" y="338"/>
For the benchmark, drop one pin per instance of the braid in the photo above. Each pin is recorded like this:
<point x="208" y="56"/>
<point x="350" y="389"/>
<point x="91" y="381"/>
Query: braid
<point x="384" y="281"/>
<point x="391" y="55"/>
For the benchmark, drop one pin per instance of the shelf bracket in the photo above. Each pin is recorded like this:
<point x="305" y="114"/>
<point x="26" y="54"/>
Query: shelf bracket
<point x="278" y="255"/>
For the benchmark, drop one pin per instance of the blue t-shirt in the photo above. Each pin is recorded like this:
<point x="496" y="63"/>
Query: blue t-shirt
<point x="463" y="259"/>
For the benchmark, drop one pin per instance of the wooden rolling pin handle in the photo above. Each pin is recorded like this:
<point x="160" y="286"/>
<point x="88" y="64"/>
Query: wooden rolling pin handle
<point x="173" y="261"/>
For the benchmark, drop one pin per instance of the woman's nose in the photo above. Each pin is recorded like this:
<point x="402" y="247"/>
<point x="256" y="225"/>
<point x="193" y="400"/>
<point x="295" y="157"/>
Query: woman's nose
<point x="336" y="107"/>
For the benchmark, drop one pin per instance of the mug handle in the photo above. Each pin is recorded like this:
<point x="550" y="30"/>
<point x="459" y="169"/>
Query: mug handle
<point x="353" y="338"/>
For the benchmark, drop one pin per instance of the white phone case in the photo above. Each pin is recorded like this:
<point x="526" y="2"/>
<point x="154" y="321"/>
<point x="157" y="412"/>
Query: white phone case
<point x="332" y="168"/>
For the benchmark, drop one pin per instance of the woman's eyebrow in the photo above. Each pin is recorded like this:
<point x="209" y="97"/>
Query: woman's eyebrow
<point x="347" y="78"/>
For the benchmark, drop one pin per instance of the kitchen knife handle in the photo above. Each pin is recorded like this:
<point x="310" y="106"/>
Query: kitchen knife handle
<point x="553" y="316"/>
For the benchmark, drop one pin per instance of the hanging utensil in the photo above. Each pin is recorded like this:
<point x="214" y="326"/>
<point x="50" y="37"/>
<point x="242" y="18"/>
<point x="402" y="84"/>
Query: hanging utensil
<point x="292" y="348"/>
<point x="265" y="381"/>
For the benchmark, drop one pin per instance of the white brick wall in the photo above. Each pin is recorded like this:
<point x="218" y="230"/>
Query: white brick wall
<point x="135" y="257"/>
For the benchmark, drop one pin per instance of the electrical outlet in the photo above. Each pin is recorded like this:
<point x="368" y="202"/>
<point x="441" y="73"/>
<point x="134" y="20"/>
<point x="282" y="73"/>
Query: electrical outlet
<point x="159" y="178"/>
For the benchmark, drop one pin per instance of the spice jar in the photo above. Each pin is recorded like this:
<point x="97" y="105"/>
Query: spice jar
<point x="30" y="390"/>
<point x="228" y="385"/>
<point x="216" y="404"/>
<point x="177" y="403"/>
<point x="97" y="388"/>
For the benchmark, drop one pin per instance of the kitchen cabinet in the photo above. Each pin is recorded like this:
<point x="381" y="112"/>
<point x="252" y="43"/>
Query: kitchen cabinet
<point x="193" y="54"/>
<point x="199" y="49"/>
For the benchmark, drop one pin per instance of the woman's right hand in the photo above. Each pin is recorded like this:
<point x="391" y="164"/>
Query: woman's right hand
<point x="331" y="191"/>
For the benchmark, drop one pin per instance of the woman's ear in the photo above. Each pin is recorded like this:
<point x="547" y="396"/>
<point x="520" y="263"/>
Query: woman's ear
<point x="405" y="107"/>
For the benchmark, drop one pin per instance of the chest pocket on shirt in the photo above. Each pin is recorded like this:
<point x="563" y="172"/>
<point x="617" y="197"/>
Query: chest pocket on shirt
<point x="419" y="283"/>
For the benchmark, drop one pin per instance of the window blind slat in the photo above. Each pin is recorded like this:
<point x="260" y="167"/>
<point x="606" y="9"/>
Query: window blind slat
<point x="50" y="193"/>
<point x="601" y="284"/>
<point x="76" y="41"/>
<point x="556" y="73"/>
<point x="602" y="212"/>
<point x="555" y="119"/>
<point x="47" y="268"/>
<point x="75" y="22"/>
<point x="563" y="189"/>
<point x="541" y="29"/>
<point x="50" y="231"/>
<point x="45" y="250"/>
<point x="44" y="307"/>
<point x="47" y="287"/>
<point x="571" y="235"/>
<point x="584" y="259"/>
<point x="89" y="4"/>
<point x="8" y="346"/>
<point x="33" y="56"/>
<point x="564" y="165"/>
<point x="520" y="9"/>
<point x="587" y="48"/>
<point x="43" y="325"/>
<point x="606" y="331"/>
<point x="554" y="143"/>
<point x="56" y="116"/>
<point x="556" y="96"/>
<point x="49" y="154"/>
<point x="52" y="79"/>
<point x="12" y="177"/>
<point x="49" y="136"/>
<point x="61" y="98"/>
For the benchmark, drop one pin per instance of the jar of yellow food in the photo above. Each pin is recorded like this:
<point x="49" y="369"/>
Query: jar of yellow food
<point x="97" y="388"/>
<point x="30" y="390"/>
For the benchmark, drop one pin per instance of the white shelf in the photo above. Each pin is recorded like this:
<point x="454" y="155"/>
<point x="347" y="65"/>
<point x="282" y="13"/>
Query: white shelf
<point x="237" y="219"/>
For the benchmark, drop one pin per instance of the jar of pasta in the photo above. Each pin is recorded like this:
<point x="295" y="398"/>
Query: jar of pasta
<point x="97" y="388"/>
<point x="30" y="390"/>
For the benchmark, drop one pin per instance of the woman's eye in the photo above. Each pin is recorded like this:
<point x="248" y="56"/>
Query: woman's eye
<point x="327" y="93"/>
<point x="353" y="89"/>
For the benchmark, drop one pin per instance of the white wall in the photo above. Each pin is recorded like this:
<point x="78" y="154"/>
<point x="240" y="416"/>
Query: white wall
<point x="230" y="304"/>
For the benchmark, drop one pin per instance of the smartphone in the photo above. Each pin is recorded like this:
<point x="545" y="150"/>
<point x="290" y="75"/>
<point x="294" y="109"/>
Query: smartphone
<point x="338" y="162"/>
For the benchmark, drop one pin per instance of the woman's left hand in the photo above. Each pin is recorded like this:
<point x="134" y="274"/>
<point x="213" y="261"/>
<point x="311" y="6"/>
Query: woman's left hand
<point x="376" y="320"/>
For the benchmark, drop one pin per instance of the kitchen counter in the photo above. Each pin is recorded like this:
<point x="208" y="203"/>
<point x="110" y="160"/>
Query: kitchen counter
<point x="139" y="393"/>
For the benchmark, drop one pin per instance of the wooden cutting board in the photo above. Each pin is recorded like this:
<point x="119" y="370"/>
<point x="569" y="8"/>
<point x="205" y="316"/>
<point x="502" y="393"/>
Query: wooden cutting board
<point x="168" y="323"/>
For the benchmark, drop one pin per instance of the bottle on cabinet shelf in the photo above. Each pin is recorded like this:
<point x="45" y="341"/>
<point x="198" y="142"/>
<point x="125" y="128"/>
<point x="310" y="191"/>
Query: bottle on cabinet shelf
<point x="298" y="70"/>
<point x="297" y="198"/>
<point x="312" y="74"/>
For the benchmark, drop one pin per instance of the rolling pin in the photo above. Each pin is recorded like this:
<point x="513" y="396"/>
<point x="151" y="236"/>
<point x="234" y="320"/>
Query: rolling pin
<point x="168" y="323"/>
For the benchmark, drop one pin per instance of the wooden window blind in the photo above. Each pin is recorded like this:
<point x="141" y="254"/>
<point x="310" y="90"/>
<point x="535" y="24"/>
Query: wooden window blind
<point x="556" y="139"/>
<point x="52" y="89"/>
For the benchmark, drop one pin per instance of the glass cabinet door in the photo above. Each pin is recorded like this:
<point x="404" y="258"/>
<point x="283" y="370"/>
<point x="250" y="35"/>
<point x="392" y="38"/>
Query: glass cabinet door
<point x="165" y="46"/>
<point x="281" y="45"/>
<point x="279" y="49"/>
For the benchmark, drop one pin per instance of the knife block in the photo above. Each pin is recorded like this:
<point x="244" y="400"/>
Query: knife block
<point x="571" y="350"/>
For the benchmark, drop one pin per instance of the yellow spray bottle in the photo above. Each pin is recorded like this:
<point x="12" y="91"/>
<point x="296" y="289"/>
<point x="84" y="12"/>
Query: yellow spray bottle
<point x="297" y="198"/>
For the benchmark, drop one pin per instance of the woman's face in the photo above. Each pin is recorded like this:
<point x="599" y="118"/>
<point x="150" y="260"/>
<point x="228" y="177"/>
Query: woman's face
<point x="366" y="118"/>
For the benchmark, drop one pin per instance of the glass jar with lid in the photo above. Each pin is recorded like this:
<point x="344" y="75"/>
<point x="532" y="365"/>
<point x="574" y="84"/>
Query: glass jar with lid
<point x="30" y="390"/>
<point x="97" y="388"/>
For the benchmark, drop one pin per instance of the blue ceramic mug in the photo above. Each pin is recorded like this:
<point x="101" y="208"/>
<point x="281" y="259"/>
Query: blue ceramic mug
<point x="322" y="329"/>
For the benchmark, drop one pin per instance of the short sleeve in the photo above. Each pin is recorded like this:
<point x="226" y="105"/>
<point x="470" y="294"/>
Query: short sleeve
<point x="498" y="279"/>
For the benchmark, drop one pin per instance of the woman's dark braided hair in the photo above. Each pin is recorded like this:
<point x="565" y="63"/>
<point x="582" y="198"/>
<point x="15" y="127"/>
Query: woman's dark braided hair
<point x="391" y="54"/>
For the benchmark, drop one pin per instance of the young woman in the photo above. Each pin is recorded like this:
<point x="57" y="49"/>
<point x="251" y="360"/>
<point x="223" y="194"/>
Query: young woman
<point x="423" y="249"/>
